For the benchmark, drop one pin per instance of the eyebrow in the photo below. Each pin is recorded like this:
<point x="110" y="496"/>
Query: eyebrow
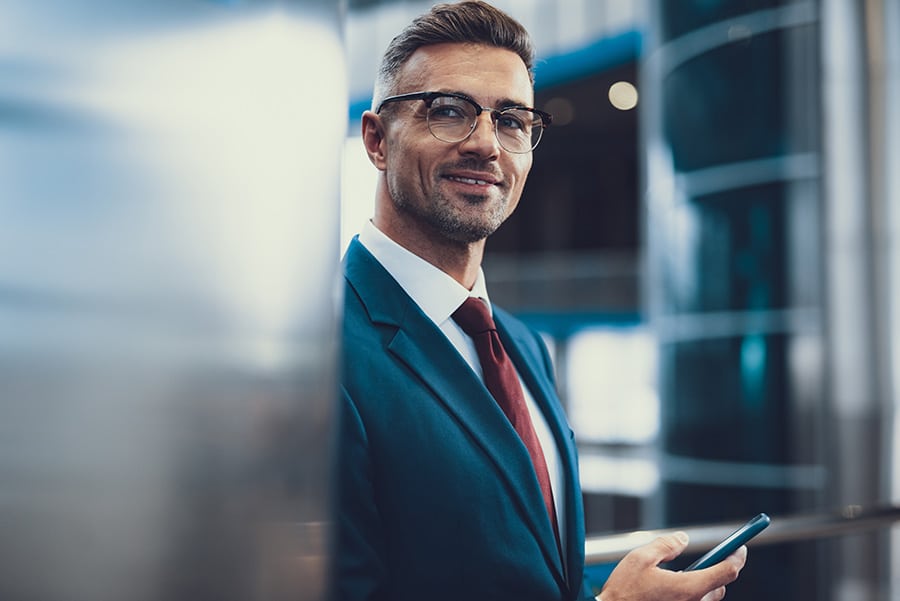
<point x="500" y="104"/>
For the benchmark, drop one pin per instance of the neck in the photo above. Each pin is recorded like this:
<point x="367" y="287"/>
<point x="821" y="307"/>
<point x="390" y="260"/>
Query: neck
<point x="460" y="260"/>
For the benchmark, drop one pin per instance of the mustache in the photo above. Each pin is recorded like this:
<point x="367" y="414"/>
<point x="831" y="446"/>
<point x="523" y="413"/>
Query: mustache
<point x="473" y="164"/>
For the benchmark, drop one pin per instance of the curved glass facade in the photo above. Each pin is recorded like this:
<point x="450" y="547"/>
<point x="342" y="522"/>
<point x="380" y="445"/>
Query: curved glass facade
<point x="732" y="140"/>
<point x="766" y="277"/>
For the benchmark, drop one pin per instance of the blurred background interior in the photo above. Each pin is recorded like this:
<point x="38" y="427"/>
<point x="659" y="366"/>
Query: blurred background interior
<point x="708" y="241"/>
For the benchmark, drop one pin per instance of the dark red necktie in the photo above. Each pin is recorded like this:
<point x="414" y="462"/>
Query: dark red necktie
<point x="501" y="380"/>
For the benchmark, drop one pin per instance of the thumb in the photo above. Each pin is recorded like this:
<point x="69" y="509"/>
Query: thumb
<point x="670" y="546"/>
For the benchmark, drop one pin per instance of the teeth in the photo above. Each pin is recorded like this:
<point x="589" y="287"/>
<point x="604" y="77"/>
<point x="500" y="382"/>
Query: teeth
<point x="469" y="180"/>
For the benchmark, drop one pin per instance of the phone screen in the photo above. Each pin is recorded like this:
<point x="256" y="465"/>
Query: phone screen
<point x="732" y="543"/>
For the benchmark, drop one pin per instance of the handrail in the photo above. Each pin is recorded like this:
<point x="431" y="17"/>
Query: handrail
<point x="799" y="527"/>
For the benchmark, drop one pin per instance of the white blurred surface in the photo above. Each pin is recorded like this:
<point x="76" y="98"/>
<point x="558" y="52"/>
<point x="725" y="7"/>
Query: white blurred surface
<point x="169" y="236"/>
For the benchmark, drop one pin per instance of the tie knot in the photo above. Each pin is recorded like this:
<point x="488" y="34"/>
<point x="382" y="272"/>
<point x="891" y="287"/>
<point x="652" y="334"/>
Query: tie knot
<point x="474" y="317"/>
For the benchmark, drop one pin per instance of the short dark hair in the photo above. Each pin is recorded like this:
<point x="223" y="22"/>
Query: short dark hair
<point x="470" y="22"/>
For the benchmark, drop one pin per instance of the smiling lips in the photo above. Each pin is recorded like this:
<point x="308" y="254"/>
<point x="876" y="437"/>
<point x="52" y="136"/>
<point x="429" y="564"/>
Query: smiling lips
<point x="474" y="179"/>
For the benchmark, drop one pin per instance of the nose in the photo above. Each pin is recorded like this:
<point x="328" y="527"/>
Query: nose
<point x="483" y="139"/>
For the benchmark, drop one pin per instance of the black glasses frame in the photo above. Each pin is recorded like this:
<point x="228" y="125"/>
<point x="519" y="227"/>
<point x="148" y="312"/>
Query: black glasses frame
<point x="430" y="97"/>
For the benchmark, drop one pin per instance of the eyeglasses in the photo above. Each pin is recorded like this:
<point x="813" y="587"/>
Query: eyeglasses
<point x="452" y="118"/>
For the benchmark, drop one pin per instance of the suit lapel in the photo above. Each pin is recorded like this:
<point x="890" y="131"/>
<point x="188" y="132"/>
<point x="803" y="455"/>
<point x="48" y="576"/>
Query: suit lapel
<point x="515" y="340"/>
<point x="427" y="352"/>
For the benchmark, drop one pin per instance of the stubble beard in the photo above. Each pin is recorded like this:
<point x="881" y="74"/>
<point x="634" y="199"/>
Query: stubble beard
<point x="440" y="215"/>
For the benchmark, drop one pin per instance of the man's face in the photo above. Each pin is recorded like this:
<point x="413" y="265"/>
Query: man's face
<point x="460" y="191"/>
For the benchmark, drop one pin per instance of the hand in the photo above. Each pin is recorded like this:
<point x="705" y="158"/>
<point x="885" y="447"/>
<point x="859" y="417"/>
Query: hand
<point x="638" y="576"/>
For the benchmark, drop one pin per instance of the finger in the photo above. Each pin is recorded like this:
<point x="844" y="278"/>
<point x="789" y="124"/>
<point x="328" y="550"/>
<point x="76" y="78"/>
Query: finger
<point x="668" y="547"/>
<point x="714" y="595"/>
<point x="729" y="569"/>
<point x="714" y="578"/>
<point x="657" y="551"/>
<point x="738" y="558"/>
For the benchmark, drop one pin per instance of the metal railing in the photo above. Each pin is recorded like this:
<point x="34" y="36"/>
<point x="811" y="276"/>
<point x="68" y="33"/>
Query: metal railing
<point x="794" y="528"/>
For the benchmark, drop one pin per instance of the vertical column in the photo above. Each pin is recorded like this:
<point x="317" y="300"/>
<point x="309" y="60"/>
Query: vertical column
<point x="735" y="275"/>
<point x="860" y="62"/>
<point x="168" y="252"/>
<point x="889" y="27"/>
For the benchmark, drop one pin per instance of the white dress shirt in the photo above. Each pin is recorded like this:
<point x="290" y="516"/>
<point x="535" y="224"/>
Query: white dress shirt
<point x="439" y="295"/>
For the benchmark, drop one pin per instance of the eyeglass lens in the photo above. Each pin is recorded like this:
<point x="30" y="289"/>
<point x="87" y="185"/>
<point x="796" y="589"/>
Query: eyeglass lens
<point x="452" y="119"/>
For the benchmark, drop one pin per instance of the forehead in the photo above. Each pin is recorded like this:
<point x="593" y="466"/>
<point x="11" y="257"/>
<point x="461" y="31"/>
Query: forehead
<point x="488" y="74"/>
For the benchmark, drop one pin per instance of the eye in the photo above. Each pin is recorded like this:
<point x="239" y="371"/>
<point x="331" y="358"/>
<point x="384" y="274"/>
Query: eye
<point x="514" y="121"/>
<point x="449" y="109"/>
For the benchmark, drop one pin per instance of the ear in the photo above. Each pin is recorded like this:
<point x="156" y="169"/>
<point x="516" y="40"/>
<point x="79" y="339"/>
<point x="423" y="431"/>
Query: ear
<point x="373" y="136"/>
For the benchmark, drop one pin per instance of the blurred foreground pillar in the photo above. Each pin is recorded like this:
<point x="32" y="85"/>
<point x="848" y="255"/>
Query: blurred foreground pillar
<point x="168" y="254"/>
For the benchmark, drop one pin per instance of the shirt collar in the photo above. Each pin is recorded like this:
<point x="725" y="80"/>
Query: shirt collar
<point x="436" y="292"/>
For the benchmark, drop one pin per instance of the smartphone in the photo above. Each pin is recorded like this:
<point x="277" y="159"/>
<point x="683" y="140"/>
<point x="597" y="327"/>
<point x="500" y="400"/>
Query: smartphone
<point x="732" y="543"/>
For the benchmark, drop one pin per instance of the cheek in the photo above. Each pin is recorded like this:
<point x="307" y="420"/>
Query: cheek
<point x="406" y="158"/>
<point x="527" y="161"/>
<point x="521" y="169"/>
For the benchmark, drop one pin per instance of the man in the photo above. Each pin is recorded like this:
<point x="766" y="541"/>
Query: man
<point x="445" y="490"/>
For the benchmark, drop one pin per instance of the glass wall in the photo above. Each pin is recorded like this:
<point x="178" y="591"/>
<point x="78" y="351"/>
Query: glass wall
<point x="765" y="291"/>
<point x="735" y="280"/>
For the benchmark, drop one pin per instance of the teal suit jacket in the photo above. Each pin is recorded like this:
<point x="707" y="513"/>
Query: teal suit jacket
<point x="436" y="495"/>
